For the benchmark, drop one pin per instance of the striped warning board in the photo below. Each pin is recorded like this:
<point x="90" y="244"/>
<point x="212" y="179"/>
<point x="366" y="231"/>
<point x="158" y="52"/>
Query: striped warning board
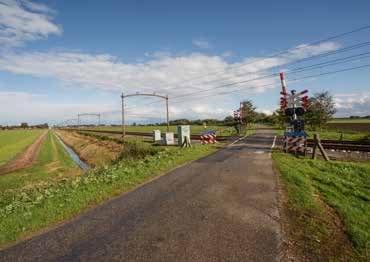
<point x="208" y="137"/>
<point x="295" y="143"/>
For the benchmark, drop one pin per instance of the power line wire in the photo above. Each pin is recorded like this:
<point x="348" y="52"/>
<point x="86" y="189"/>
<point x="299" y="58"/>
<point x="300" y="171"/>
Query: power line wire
<point x="293" y="71"/>
<point x="340" y="35"/>
<point x="345" y="49"/>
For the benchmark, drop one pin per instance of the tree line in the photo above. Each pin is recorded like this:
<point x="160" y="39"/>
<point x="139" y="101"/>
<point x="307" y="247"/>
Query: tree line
<point x="321" y="109"/>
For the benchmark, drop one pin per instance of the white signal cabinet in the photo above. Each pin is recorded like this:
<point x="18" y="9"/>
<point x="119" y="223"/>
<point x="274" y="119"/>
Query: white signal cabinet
<point x="183" y="131"/>
<point x="168" y="138"/>
<point x="156" y="136"/>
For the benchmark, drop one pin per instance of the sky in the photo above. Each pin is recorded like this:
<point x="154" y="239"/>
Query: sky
<point x="60" y="58"/>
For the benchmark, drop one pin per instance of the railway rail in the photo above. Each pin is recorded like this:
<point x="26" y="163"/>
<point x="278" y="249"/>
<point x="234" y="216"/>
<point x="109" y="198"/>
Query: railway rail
<point x="362" y="146"/>
<point x="194" y="136"/>
<point x="347" y="145"/>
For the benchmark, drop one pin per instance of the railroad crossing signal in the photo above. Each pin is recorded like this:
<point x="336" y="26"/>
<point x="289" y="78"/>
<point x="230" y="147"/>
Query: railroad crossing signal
<point x="237" y="114"/>
<point x="294" y="106"/>
<point x="293" y="103"/>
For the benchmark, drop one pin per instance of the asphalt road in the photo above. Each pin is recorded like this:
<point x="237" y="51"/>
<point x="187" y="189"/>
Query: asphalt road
<point x="219" y="208"/>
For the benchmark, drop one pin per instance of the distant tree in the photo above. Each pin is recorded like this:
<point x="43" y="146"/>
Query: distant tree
<point x="134" y="123"/>
<point x="229" y="121"/>
<point x="248" y="112"/>
<point x="321" y="109"/>
<point x="24" y="125"/>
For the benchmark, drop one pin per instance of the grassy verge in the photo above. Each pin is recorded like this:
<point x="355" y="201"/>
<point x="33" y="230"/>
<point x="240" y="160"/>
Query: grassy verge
<point x="342" y="186"/>
<point x="31" y="210"/>
<point x="13" y="142"/>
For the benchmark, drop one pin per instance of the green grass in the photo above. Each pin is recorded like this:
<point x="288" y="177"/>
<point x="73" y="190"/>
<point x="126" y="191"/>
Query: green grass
<point x="221" y="130"/>
<point x="53" y="164"/>
<point x="343" y="186"/>
<point x="13" y="142"/>
<point x="32" y="209"/>
<point x="335" y="135"/>
<point x="348" y="120"/>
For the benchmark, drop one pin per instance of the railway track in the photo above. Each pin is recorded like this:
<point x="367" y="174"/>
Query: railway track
<point x="194" y="136"/>
<point x="347" y="145"/>
<point x="361" y="146"/>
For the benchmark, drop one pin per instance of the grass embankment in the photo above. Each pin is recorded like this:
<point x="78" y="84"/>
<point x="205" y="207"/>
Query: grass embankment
<point x="335" y="135"/>
<point x="221" y="130"/>
<point x="13" y="142"/>
<point x="32" y="209"/>
<point x="341" y="185"/>
<point x="94" y="152"/>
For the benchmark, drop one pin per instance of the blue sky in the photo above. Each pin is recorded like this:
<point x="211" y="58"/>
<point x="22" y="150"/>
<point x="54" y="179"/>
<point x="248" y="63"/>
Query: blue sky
<point x="60" y="58"/>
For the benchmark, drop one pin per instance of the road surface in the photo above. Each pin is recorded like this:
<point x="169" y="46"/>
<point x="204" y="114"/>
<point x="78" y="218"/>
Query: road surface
<point x="219" y="208"/>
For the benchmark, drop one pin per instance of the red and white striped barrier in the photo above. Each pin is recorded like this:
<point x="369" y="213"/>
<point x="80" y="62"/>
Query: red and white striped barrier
<point x="208" y="139"/>
<point x="296" y="144"/>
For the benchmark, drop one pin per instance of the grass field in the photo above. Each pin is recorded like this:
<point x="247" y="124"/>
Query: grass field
<point x="348" y="120"/>
<point x="341" y="185"/>
<point x="13" y="142"/>
<point x="53" y="164"/>
<point x="221" y="130"/>
<point x="29" y="209"/>
<point x="335" y="135"/>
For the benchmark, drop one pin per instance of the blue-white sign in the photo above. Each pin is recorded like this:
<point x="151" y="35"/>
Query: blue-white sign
<point x="212" y="132"/>
<point x="296" y="134"/>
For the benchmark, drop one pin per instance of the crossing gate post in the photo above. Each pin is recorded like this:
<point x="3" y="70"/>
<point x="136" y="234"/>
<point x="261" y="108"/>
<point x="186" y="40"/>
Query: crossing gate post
<point x="317" y="144"/>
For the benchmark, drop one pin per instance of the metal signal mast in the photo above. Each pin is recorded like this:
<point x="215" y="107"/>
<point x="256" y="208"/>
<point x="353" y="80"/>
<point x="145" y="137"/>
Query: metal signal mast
<point x="142" y="94"/>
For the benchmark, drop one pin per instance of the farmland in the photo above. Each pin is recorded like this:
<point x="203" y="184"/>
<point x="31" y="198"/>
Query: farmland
<point x="53" y="164"/>
<point x="349" y="120"/>
<point x="351" y="126"/>
<point x="12" y="142"/>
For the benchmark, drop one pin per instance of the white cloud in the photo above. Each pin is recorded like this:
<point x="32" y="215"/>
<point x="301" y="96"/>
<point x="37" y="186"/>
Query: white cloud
<point x="357" y="104"/>
<point x="265" y="111"/>
<point x="201" y="43"/>
<point x="17" y="107"/>
<point x="22" y="21"/>
<point x="163" y="74"/>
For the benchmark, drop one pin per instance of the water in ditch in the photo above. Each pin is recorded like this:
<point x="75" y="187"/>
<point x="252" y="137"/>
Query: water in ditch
<point x="74" y="156"/>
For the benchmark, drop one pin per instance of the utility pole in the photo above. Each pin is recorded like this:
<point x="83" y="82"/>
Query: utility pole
<point x="123" y="116"/>
<point x="168" y="116"/>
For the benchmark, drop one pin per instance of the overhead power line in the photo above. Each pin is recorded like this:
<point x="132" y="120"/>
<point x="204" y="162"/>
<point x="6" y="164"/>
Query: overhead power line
<point x="272" y="84"/>
<point x="326" y="54"/>
<point x="340" y="35"/>
<point x="293" y="71"/>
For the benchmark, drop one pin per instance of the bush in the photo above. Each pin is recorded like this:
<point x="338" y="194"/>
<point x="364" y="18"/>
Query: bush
<point x="136" y="150"/>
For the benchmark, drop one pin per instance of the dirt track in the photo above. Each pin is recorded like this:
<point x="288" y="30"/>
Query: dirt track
<point x="26" y="158"/>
